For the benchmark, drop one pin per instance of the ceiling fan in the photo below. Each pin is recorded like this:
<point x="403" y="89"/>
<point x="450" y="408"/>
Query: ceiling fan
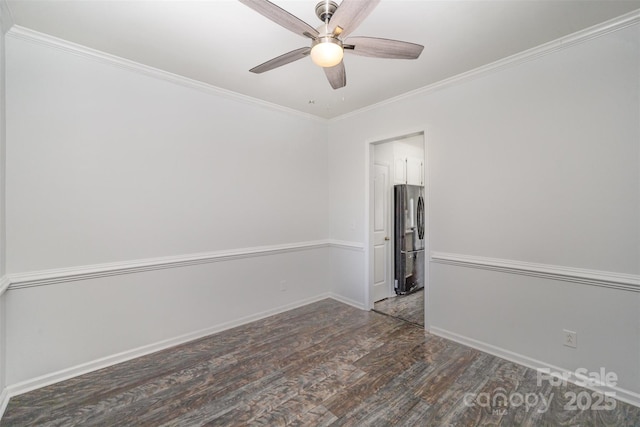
<point x="328" y="41"/>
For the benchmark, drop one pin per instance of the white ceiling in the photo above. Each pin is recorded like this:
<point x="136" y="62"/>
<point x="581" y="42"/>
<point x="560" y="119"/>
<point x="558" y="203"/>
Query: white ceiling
<point x="218" y="41"/>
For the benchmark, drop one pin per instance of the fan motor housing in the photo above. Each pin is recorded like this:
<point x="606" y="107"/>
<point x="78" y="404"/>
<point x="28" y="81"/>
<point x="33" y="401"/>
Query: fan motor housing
<point x="325" y="9"/>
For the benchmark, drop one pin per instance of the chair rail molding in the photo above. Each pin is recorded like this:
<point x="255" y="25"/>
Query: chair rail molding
<point x="622" y="281"/>
<point x="62" y="275"/>
<point x="342" y="244"/>
<point x="4" y="284"/>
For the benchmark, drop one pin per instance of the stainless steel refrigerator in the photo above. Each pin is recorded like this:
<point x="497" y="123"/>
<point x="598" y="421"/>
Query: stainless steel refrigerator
<point x="409" y="238"/>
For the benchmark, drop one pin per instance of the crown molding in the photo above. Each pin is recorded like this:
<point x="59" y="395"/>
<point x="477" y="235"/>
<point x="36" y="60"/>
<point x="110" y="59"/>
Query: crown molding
<point x="598" y="30"/>
<point x="581" y="36"/>
<point x="32" y="36"/>
<point x="605" y="279"/>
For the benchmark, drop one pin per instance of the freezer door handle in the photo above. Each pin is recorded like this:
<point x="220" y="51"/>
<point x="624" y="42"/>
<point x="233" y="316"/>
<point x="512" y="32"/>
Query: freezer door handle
<point x="412" y="252"/>
<point x="420" y="215"/>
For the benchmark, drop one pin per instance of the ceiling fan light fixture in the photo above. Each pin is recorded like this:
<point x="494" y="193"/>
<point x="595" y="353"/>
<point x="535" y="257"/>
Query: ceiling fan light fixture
<point x="327" y="52"/>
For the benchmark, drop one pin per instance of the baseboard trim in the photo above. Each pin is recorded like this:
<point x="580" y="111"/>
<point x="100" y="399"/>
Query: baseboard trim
<point x="4" y="401"/>
<point x="621" y="394"/>
<point x="62" y="275"/>
<point x="348" y="301"/>
<point x="606" y="279"/>
<point x="104" y="362"/>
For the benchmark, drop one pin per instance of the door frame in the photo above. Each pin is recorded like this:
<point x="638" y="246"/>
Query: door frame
<point x="368" y="215"/>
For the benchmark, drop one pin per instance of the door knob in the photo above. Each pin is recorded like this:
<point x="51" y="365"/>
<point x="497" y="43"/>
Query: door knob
<point x="386" y="238"/>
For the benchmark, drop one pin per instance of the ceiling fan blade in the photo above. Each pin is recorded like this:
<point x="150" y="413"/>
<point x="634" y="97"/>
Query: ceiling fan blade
<point x="383" y="48"/>
<point x="350" y="15"/>
<point x="281" y="17"/>
<point x="336" y="75"/>
<point x="281" y="60"/>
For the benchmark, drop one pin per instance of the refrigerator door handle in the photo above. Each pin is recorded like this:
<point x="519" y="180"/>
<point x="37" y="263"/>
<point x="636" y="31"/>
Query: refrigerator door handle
<point x="420" y="218"/>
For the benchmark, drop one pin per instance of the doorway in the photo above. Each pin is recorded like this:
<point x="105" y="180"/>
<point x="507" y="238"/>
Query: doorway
<point x="395" y="161"/>
<point x="408" y="307"/>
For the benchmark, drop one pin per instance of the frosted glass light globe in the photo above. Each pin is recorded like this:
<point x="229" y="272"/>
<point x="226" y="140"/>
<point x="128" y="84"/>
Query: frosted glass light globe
<point x="327" y="52"/>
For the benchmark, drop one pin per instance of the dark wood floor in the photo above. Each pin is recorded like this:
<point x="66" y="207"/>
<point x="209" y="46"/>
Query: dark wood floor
<point x="406" y="307"/>
<point x="322" y="364"/>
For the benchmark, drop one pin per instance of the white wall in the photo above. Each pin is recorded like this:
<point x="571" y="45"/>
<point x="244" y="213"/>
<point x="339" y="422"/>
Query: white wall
<point x="537" y="162"/>
<point x="65" y="329"/>
<point x="106" y="165"/>
<point x="5" y="24"/>
<point x="113" y="165"/>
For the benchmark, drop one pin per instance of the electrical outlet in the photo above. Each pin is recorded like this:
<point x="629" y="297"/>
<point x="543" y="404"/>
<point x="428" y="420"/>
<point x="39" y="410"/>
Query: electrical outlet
<point x="570" y="338"/>
<point x="283" y="285"/>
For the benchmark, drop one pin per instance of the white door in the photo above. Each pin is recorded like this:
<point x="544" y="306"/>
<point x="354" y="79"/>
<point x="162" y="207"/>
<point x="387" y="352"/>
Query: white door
<point x="381" y="236"/>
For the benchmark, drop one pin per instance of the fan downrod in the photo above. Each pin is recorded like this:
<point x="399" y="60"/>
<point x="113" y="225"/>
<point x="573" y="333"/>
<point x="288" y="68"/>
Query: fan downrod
<point x="325" y="10"/>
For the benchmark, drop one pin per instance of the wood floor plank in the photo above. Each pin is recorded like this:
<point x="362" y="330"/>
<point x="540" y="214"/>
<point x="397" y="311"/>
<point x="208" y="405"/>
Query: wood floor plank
<point x="248" y="369"/>
<point x="417" y="416"/>
<point x="252" y="363"/>
<point x="319" y="416"/>
<point x="128" y="403"/>
<point x="309" y="397"/>
<point x="406" y="307"/>
<point x="113" y="380"/>
<point x="387" y="405"/>
<point x="319" y="365"/>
